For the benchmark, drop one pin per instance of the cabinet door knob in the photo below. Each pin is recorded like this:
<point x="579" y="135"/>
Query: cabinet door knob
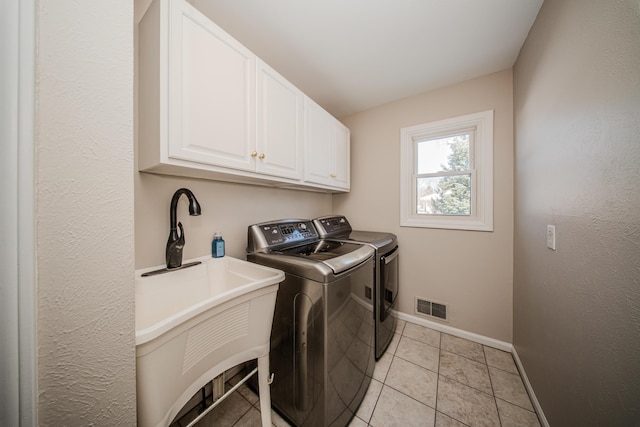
<point x="333" y="175"/>
<point x="261" y="156"/>
<point x="254" y="153"/>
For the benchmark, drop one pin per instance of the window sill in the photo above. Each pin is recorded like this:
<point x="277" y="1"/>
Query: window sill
<point x="470" y="224"/>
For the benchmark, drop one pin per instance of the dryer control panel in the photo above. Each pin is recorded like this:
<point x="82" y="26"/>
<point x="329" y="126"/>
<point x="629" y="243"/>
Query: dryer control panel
<point x="333" y="226"/>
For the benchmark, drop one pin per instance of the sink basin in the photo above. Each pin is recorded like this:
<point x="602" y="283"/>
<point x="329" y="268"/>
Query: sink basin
<point x="193" y="324"/>
<point x="166" y="300"/>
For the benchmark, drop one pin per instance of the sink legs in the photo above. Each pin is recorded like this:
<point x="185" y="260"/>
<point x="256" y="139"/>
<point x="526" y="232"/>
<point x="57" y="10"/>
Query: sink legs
<point x="264" y="382"/>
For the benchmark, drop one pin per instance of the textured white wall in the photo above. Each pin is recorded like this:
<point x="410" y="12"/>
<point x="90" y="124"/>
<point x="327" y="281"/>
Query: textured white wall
<point x="577" y="310"/>
<point x="85" y="255"/>
<point x="469" y="270"/>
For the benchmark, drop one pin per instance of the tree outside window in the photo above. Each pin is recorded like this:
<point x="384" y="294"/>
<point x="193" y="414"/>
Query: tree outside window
<point x="446" y="188"/>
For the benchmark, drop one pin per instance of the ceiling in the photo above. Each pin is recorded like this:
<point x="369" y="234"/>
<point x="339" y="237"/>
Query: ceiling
<point x="352" y="55"/>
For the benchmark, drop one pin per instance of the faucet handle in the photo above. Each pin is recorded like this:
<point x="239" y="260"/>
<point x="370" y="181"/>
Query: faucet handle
<point x="174" y="248"/>
<point x="181" y="234"/>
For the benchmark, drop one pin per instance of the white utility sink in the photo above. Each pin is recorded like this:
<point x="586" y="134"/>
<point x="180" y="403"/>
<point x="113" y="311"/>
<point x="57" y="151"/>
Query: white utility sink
<point x="193" y="324"/>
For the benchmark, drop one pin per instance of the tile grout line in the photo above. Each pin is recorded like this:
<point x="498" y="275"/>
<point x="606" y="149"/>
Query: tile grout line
<point x="245" y="412"/>
<point x="469" y="385"/>
<point x="440" y="350"/>
<point x="435" y="408"/>
<point x="517" y="374"/>
<point x="435" y="418"/>
<point x="525" y="389"/>
<point x="447" y="377"/>
<point x="374" y="405"/>
<point x="493" y="391"/>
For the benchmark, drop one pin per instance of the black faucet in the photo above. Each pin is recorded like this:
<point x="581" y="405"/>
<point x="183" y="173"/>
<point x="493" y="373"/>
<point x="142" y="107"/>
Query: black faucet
<point x="176" y="242"/>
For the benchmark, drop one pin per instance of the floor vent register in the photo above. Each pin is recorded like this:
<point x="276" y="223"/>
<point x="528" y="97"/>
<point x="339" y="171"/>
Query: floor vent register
<point x="431" y="308"/>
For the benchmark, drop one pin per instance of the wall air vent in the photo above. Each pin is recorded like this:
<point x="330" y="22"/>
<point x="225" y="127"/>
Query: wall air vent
<point x="431" y="309"/>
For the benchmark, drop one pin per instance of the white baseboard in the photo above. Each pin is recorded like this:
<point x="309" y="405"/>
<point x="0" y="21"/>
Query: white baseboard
<point x="481" y="339"/>
<point x="532" y="394"/>
<point x="490" y="342"/>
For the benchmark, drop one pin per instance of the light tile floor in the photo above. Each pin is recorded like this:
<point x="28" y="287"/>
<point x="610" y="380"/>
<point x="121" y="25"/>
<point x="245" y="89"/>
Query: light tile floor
<point x="425" y="378"/>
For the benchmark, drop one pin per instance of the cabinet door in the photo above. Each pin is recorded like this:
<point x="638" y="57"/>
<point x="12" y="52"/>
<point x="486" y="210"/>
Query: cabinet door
<point x="211" y="97"/>
<point x="327" y="148"/>
<point x="319" y="136"/>
<point x="279" y="125"/>
<point x="342" y="156"/>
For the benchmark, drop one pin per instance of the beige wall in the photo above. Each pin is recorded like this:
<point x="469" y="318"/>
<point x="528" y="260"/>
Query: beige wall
<point x="226" y="207"/>
<point x="577" y="310"/>
<point x="84" y="198"/>
<point x="471" y="271"/>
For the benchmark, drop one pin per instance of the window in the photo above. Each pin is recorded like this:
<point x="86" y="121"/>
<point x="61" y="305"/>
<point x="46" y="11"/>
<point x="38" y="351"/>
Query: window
<point x="447" y="173"/>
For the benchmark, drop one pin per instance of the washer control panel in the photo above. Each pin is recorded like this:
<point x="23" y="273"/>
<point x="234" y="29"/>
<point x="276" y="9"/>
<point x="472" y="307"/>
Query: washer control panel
<point x="290" y="232"/>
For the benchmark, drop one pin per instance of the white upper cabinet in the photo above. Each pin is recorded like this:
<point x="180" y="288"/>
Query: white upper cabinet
<point x="211" y="97"/>
<point x="209" y="108"/>
<point x="327" y="148"/>
<point x="279" y="125"/>
<point x="342" y="156"/>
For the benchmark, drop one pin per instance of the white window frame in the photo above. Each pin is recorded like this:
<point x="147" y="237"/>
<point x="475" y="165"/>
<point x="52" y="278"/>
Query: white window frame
<point x="481" y="163"/>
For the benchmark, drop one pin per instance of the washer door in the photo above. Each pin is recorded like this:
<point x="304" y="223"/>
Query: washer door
<point x="337" y="255"/>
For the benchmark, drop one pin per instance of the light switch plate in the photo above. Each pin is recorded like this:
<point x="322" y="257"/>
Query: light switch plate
<point x="551" y="237"/>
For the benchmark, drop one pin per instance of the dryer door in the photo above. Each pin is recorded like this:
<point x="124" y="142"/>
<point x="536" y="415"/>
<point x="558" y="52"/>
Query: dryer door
<point x="388" y="291"/>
